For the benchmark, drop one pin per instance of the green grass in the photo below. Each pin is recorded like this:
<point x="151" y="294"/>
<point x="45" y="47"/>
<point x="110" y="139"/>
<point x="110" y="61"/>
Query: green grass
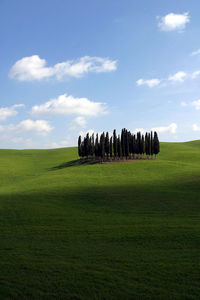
<point x="102" y="231"/>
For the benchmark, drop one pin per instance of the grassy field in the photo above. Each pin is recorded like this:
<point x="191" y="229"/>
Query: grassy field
<point x="103" y="231"/>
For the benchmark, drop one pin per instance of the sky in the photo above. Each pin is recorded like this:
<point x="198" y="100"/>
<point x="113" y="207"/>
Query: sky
<point x="72" y="67"/>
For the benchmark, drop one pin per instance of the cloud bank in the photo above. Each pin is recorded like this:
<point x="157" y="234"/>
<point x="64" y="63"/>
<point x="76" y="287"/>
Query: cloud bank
<point x="164" y="129"/>
<point x="6" y="112"/>
<point x="34" y="68"/>
<point x="69" y="105"/>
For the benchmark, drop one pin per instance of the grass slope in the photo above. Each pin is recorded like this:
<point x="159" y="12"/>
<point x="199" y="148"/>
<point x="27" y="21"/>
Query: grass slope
<point x="104" y="231"/>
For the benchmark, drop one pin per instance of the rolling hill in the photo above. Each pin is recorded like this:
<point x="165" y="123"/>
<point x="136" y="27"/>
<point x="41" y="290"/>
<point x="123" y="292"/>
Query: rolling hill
<point x="100" y="231"/>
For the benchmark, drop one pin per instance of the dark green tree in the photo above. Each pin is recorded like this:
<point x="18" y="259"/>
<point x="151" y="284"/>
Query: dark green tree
<point x="114" y="143"/>
<point x="111" y="147"/>
<point x="123" y="141"/>
<point x="119" y="147"/>
<point x="126" y="136"/>
<point x="130" y="143"/>
<point x="156" y="144"/>
<point x="79" y="146"/>
<point x="143" y="145"/>
<point x="92" y="146"/>
<point x="146" y="144"/>
<point x="134" y="145"/>
<point x="96" y="148"/>
<point x="102" y="145"/>
<point x="151" y="145"/>
<point x="107" y="145"/>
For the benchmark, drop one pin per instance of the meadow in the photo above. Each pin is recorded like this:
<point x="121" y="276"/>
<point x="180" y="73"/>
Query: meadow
<point x="100" y="231"/>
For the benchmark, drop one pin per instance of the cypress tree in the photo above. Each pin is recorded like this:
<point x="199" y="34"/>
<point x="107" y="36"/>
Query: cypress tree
<point x="126" y="144"/>
<point x="123" y="141"/>
<point x="82" y="149"/>
<point x="107" y="144"/>
<point x="87" y="145"/>
<point x="119" y="147"/>
<point x="130" y="143"/>
<point x="143" y="145"/>
<point x="151" y="145"/>
<point x="92" y="146"/>
<point x="115" y="143"/>
<point x="140" y="148"/>
<point x="137" y="144"/>
<point x="146" y="144"/>
<point x="96" y="149"/>
<point x="134" y="145"/>
<point x="111" y="147"/>
<point x="102" y="143"/>
<point x="79" y="146"/>
<point x="156" y="144"/>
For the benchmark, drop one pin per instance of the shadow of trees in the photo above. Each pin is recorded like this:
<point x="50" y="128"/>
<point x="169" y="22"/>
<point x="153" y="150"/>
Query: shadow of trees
<point x="74" y="163"/>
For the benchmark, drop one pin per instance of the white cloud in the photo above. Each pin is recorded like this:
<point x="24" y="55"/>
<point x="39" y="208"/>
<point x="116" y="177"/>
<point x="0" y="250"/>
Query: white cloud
<point x="34" y="68"/>
<point x="195" y="127"/>
<point x="77" y="123"/>
<point x="178" y="77"/>
<point x="23" y="141"/>
<point x="69" y="105"/>
<point x="61" y="144"/>
<point x="28" y="127"/>
<point x="183" y="104"/>
<point x="80" y="121"/>
<point x="196" y="104"/>
<point x="90" y="131"/>
<point x="38" y="126"/>
<point x="6" y="112"/>
<point x="142" y="130"/>
<point x="149" y="82"/>
<point x="166" y="129"/>
<point x="194" y="53"/>
<point x="173" y="21"/>
<point x="195" y="74"/>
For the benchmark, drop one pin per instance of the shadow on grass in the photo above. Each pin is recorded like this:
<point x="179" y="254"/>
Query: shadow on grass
<point x="74" y="163"/>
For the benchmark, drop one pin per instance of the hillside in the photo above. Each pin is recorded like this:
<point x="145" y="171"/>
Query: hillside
<point x="100" y="231"/>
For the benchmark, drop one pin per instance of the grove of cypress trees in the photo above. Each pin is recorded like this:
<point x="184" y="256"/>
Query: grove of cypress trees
<point x="126" y="145"/>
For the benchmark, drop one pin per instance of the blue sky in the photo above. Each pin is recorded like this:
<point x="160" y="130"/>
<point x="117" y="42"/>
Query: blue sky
<point x="68" y="67"/>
